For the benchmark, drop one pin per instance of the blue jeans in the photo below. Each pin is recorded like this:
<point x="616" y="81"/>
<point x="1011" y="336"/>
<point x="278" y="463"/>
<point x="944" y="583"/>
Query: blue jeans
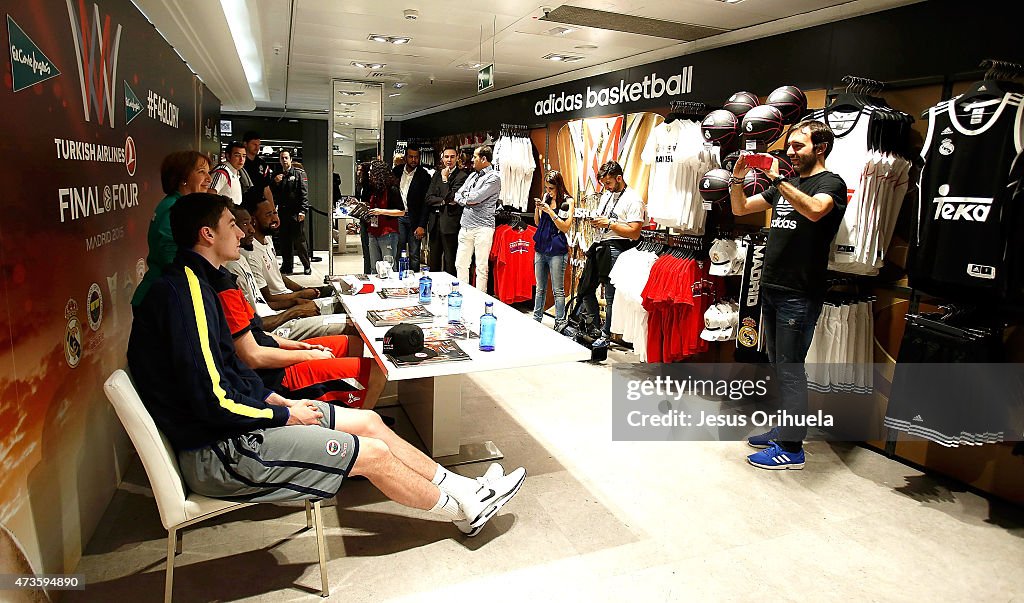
<point x="788" y="319"/>
<point x="543" y="266"/>
<point x="382" y="246"/>
<point x="407" y="238"/>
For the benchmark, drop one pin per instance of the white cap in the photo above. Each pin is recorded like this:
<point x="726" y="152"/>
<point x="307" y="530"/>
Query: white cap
<point x="722" y="253"/>
<point x="716" y="325"/>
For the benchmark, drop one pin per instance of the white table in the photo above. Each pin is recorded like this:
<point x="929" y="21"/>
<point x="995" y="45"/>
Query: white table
<point x="432" y="394"/>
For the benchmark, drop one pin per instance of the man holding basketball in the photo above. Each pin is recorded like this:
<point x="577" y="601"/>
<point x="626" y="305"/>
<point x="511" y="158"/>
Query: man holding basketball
<point x="807" y="211"/>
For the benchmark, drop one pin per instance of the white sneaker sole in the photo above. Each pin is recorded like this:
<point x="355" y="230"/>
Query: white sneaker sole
<point x="757" y="446"/>
<point x="793" y="466"/>
<point x="490" y="511"/>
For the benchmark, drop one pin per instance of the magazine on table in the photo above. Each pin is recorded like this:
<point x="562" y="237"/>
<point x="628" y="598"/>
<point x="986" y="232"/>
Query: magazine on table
<point x="399" y="293"/>
<point x="448" y="331"/>
<point x="411" y="314"/>
<point x="443" y="350"/>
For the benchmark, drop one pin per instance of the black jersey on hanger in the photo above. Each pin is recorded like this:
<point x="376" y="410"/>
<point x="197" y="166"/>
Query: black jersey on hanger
<point x="961" y="239"/>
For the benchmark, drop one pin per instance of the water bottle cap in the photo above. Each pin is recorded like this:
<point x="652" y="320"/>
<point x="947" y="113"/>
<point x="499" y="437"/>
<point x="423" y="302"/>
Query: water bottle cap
<point x="488" y="304"/>
<point x="455" y="283"/>
<point x="425" y="269"/>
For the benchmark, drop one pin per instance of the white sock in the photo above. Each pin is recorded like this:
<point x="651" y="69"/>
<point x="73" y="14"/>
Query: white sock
<point x="457" y="485"/>
<point x="448" y="507"/>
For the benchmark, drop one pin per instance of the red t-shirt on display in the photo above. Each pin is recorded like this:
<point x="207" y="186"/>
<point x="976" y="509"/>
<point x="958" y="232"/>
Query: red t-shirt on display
<point x="512" y="253"/>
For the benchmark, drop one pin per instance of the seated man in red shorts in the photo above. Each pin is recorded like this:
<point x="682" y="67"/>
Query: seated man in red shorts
<point x="329" y="369"/>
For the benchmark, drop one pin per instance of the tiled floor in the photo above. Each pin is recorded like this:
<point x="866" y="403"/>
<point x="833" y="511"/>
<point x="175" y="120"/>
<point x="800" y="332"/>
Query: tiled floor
<point x="596" y="521"/>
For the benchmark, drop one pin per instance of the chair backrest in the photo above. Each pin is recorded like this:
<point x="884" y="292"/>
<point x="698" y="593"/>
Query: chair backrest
<point x="157" y="456"/>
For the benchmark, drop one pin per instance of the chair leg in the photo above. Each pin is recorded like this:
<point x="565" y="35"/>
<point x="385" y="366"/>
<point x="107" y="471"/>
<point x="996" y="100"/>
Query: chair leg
<point x="172" y="542"/>
<point x="309" y="516"/>
<point x="178" y="539"/>
<point x="318" y="519"/>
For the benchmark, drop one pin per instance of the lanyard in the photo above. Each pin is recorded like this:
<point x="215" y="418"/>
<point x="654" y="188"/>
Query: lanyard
<point x="618" y="197"/>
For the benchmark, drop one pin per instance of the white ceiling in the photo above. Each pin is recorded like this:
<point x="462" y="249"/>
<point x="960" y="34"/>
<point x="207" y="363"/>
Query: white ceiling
<point x="323" y="38"/>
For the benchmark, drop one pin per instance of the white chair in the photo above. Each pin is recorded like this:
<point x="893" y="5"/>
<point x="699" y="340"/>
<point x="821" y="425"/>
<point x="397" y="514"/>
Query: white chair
<point x="179" y="510"/>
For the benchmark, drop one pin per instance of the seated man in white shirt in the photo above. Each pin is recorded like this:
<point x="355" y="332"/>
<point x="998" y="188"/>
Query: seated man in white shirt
<point x="278" y="290"/>
<point x="302" y="320"/>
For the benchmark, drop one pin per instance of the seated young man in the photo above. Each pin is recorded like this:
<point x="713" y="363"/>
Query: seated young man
<point x="234" y="438"/>
<point x="299" y="322"/>
<point x="280" y="291"/>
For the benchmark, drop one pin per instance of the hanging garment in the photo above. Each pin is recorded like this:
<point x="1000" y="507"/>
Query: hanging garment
<point x="841" y="353"/>
<point x="630" y="274"/>
<point x="513" y="158"/>
<point x="512" y="254"/>
<point x="679" y="157"/>
<point x="961" y="238"/>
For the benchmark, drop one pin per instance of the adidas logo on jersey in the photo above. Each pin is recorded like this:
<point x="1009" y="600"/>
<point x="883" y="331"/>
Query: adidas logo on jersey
<point x="947" y="132"/>
<point x="918" y="419"/>
<point x="784" y="223"/>
<point x="981" y="271"/>
<point x="962" y="209"/>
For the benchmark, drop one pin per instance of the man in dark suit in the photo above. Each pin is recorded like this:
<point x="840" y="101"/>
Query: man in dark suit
<point x="443" y="214"/>
<point x="413" y="181"/>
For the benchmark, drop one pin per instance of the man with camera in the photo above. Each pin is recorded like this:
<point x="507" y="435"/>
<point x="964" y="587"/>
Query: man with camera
<point x="806" y="213"/>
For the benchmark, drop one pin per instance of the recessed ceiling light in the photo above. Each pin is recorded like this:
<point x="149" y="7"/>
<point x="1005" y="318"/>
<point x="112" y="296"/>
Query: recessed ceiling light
<point x="565" y="58"/>
<point x="586" y="47"/>
<point x="350" y="93"/>
<point x="394" y="94"/>
<point x="362" y="65"/>
<point x="399" y="84"/>
<point x="731" y="1"/>
<point x="389" y="39"/>
<point x="559" y="31"/>
<point x="470" y="66"/>
<point x="343" y="123"/>
<point x="349" y="104"/>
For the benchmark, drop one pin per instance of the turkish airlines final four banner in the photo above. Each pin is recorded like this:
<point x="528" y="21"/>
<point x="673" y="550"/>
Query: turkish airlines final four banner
<point x="93" y="99"/>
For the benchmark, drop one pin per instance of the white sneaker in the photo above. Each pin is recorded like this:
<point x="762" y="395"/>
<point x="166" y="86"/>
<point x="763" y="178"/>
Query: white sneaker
<point x="493" y="472"/>
<point x="491" y="497"/>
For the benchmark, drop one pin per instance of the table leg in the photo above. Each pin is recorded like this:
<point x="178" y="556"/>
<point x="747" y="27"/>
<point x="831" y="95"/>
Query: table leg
<point x="434" y="406"/>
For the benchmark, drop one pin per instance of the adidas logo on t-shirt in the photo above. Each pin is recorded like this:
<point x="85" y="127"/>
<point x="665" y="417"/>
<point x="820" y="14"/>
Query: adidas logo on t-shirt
<point x="947" y="132"/>
<point x="918" y="419"/>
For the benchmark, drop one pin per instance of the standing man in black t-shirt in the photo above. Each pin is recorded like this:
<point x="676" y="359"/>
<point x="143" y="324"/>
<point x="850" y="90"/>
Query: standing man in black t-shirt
<point x="807" y="212"/>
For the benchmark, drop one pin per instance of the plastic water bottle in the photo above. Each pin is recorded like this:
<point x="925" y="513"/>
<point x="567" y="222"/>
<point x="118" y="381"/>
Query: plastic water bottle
<point x="455" y="304"/>
<point x="403" y="266"/>
<point x="426" y="286"/>
<point x="488" y="323"/>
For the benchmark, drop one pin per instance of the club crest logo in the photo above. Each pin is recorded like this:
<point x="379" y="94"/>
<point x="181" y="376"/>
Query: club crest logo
<point x="94" y="302"/>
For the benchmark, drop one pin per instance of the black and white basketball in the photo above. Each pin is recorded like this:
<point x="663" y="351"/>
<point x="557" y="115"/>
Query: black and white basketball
<point x="786" y="168"/>
<point x="730" y="160"/>
<point x="741" y="102"/>
<point x="714" y="186"/>
<point x="790" y="101"/>
<point x="720" y="128"/>
<point x="763" y="122"/>
<point x="755" y="183"/>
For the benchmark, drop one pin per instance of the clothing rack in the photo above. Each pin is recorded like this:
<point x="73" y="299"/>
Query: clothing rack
<point x="681" y="109"/>
<point x="514" y="131"/>
<point x="1001" y="70"/>
<point x="676" y="241"/>
<point x="862" y="85"/>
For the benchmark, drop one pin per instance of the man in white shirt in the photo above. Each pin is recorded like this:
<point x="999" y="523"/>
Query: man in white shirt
<point x="299" y="322"/>
<point x="224" y="178"/>
<point x="279" y="291"/>
<point x="620" y="216"/>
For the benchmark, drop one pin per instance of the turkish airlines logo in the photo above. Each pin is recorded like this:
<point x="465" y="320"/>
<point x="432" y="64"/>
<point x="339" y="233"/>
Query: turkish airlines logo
<point x="97" y="60"/>
<point x="130" y="158"/>
<point x="962" y="209"/>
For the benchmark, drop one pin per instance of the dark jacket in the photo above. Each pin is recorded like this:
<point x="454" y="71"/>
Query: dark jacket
<point x="417" y="195"/>
<point x="193" y="384"/>
<point x="292" y="194"/>
<point x="441" y="209"/>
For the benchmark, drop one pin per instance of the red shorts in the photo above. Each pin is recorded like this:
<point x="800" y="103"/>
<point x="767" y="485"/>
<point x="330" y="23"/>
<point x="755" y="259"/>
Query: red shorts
<point x="338" y="380"/>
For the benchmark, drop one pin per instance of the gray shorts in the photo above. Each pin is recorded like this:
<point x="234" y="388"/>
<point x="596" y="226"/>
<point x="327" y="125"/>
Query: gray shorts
<point x="298" y="462"/>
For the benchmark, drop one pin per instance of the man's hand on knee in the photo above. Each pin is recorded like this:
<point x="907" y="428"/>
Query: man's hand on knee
<point x="304" y="412"/>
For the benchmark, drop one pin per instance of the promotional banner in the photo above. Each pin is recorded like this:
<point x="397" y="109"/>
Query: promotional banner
<point x="93" y="100"/>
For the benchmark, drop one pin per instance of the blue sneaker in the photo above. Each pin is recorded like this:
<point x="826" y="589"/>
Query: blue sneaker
<point x="774" y="457"/>
<point x="764" y="440"/>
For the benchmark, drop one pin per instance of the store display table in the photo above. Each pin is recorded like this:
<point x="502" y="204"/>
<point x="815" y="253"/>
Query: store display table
<point x="431" y="394"/>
